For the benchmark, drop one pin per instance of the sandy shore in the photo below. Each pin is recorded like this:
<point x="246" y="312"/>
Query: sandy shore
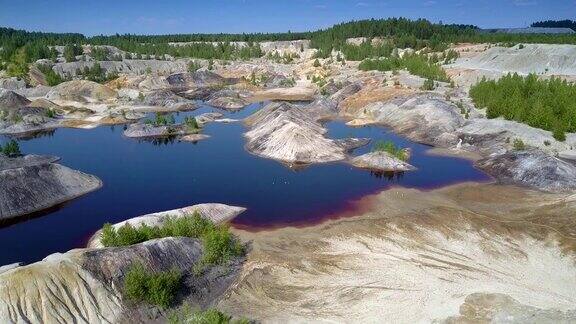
<point x="470" y="252"/>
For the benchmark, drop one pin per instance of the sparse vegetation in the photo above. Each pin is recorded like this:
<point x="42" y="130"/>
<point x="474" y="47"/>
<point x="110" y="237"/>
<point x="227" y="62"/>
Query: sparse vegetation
<point x="546" y="104"/>
<point x="391" y="148"/>
<point x="160" y="288"/>
<point x="219" y="244"/>
<point x="161" y="120"/>
<point x="414" y="63"/>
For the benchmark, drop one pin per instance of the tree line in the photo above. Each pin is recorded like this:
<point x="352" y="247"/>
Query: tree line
<point x="556" y="24"/>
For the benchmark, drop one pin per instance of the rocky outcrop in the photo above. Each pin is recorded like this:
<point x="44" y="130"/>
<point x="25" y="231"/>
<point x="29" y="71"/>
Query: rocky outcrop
<point x="140" y="130"/>
<point x="287" y="133"/>
<point x="130" y="67"/>
<point x="32" y="183"/>
<point x="425" y="118"/>
<point x="381" y="161"/>
<point x="200" y="78"/>
<point x="85" y="285"/>
<point x="168" y="100"/>
<point x="532" y="168"/>
<point x="217" y="213"/>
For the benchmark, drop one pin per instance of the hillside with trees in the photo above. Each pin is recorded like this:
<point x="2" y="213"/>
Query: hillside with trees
<point x="556" y="24"/>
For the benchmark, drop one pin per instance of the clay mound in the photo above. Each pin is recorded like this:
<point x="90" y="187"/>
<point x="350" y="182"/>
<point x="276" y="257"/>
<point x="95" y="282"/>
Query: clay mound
<point x="34" y="183"/>
<point x="81" y="90"/>
<point x="217" y="213"/>
<point x="532" y="168"/>
<point x="286" y="133"/>
<point x="425" y="118"/>
<point x="381" y="161"/>
<point x="10" y="100"/>
<point x="533" y="58"/>
<point x="85" y="285"/>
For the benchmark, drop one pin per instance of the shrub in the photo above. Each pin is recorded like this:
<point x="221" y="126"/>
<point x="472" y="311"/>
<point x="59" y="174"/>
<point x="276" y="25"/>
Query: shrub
<point x="52" y="78"/>
<point x="191" y="123"/>
<point x="11" y="149"/>
<point x="428" y="85"/>
<point x="193" y="66"/>
<point x="519" y="145"/>
<point x="219" y="244"/>
<point x="209" y="316"/>
<point x="391" y="149"/>
<point x="316" y="63"/>
<point x="546" y="104"/>
<point x="158" y="288"/>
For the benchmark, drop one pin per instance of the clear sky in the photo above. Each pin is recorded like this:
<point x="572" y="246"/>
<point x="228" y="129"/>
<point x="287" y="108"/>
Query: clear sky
<point x="92" y="17"/>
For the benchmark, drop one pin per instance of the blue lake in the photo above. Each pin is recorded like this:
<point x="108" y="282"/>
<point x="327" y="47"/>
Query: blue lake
<point x="142" y="177"/>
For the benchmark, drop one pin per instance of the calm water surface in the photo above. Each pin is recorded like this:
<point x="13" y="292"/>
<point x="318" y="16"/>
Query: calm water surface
<point x="142" y="177"/>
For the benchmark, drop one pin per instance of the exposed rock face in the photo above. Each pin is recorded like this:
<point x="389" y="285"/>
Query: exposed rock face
<point x="425" y="118"/>
<point x="85" y="285"/>
<point x="10" y="100"/>
<point x="33" y="183"/>
<point x="286" y="133"/>
<point x="217" y="213"/>
<point x="532" y="168"/>
<point x="81" y="91"/>
<point x="549" y="59"/>
<point x="381" y="161"/>
<point x="132" y="67"/>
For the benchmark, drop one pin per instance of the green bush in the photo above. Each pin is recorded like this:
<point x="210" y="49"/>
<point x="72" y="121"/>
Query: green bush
<point x="391" y="149"/>
<point x="158" y="288"/>
<point x="11" y="149"/>
<point x="219" y="244"/>
<point x="546" y="104"/>
<point x="52" y="78"/>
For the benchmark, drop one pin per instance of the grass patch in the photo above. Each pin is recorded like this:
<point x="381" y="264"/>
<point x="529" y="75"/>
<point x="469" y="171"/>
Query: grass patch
<point x="186" y="315"/>
<point x="160" y="289"/>
<point x="11" y="149"/>
<point x="546" y="104"/>
<point x="391" y="148"/>
<point x="415" y="64"/>
<point x="219" y="244"/>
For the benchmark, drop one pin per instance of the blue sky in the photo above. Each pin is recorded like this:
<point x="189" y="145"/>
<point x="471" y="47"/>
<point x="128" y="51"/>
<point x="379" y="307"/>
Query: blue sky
<point x="179" y="16"/>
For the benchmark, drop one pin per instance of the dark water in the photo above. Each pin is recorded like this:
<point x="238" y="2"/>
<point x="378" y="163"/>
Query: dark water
<point x="142" y="177"/>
